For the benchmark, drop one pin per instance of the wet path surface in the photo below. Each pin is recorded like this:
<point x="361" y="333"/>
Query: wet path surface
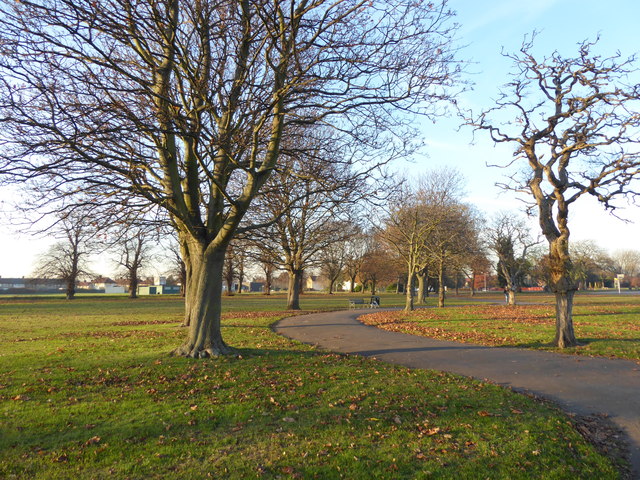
<point x="581" y="385"/>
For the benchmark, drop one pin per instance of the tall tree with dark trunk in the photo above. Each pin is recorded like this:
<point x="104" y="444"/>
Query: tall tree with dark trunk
<point x="308" y="208"/>
<point x="575" y="129"/>
<point x="183" y="104"/>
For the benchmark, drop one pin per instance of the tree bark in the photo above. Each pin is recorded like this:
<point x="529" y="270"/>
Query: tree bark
<point x="408" y="306"/>
<point x="457" y="283"/>
<point x="565" y="336"/>
<point x="422" y="287"/>
<point x="293" y="291"/>
<point x="564" y="289"/>
<point x="203" y="306"/>
<point x="71" y="289"/>
<point x="441" y="292"/>
<point x="133" y="283"/>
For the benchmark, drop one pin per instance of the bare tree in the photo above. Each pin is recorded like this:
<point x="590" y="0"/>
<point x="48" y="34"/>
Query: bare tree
<point x="420" y="226"/>
<point x="307" y="208"/>
<point x="268" y="268"/>
<point x="405" y="229"/>
<point x="510" y="240"/>
<point x="574" y="126"/>
<point x="178" y="268"/>
<point x="134" y="245"/>
<point x="452" y="242"/>
<point x="68" y="258"/>
<point x="627" y="262"/>
<point x="229" y="271"/>
<point x="356" y="248"/>
<point x="478" y="264"/>
<point x="183" y="104"/>
<point x="332" y="260"/>
<point x="379" y="265"/>
<point x="590" y="263"/>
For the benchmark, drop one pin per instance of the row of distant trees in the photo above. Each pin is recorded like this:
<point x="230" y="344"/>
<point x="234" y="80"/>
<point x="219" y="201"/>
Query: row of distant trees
<point x="131" y="248"/>
<point x="422" y="235"/>
<point x="272" y="121"/>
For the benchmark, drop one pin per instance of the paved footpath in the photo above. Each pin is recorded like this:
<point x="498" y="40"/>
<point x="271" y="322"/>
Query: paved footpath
<point x="580" y="385"/>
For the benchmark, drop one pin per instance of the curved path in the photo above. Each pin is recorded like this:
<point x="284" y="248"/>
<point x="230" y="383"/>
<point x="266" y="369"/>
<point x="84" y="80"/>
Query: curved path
<point x="581" y="385"/>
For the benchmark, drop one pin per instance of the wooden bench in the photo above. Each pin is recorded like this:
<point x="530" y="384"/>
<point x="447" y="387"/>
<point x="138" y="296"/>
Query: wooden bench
<point x="371" y="302"/>
<point x="355" y="301"/>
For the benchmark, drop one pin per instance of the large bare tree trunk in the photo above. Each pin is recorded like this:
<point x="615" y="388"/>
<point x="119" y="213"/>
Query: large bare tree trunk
<point x="203" y="306"/>
<point x="565" y="336"/>
<point x="293" y="291"/>
<point x="71" y="289"/>
<point x="564" y="289"/>
<point x="133" y="283"/>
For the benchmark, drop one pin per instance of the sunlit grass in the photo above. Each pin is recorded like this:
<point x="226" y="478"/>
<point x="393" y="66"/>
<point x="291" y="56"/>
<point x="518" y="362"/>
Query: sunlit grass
<point x="87" y="390"/>
<point x="606" y="325"/>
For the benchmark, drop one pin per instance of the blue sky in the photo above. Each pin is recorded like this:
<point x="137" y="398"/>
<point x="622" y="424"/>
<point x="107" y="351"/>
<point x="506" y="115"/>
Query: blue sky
<point x="486" y="27"/>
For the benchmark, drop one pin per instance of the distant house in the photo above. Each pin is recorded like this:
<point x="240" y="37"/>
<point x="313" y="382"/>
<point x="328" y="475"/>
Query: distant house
<point x="158" y="289"/>
<point x="12" y="283"/>
<point x="31" y="285"/>
<point x="108" y="285"/>
<point x="316" y="283"/>
<point x="114" y="288"/>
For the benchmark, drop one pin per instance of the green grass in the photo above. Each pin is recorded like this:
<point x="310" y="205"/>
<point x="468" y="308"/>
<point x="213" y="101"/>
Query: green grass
<point x="87" y="390"/>
<point x="606" y="325"/>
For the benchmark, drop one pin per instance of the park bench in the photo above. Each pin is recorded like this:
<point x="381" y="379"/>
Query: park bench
<point x="355" y="301"/>
<point x="372" y="302"/>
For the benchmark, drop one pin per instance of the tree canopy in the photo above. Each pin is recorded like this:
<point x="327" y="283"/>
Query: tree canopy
<point x="182" y="105"/>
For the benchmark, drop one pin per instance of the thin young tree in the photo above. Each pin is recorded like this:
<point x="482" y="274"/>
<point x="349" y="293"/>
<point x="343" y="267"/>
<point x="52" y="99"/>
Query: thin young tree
<point x="510" y="240"/>
<point x="574" y="126"/>
<point x="183" y="104"/>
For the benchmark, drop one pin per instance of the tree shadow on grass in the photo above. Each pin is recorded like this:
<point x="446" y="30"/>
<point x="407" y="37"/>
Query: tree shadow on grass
<point x="583" y="342"/>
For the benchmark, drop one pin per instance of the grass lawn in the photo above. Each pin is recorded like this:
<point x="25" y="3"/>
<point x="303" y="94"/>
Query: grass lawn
<point x="87" y="390"/>
<point x="606" y="325"/>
